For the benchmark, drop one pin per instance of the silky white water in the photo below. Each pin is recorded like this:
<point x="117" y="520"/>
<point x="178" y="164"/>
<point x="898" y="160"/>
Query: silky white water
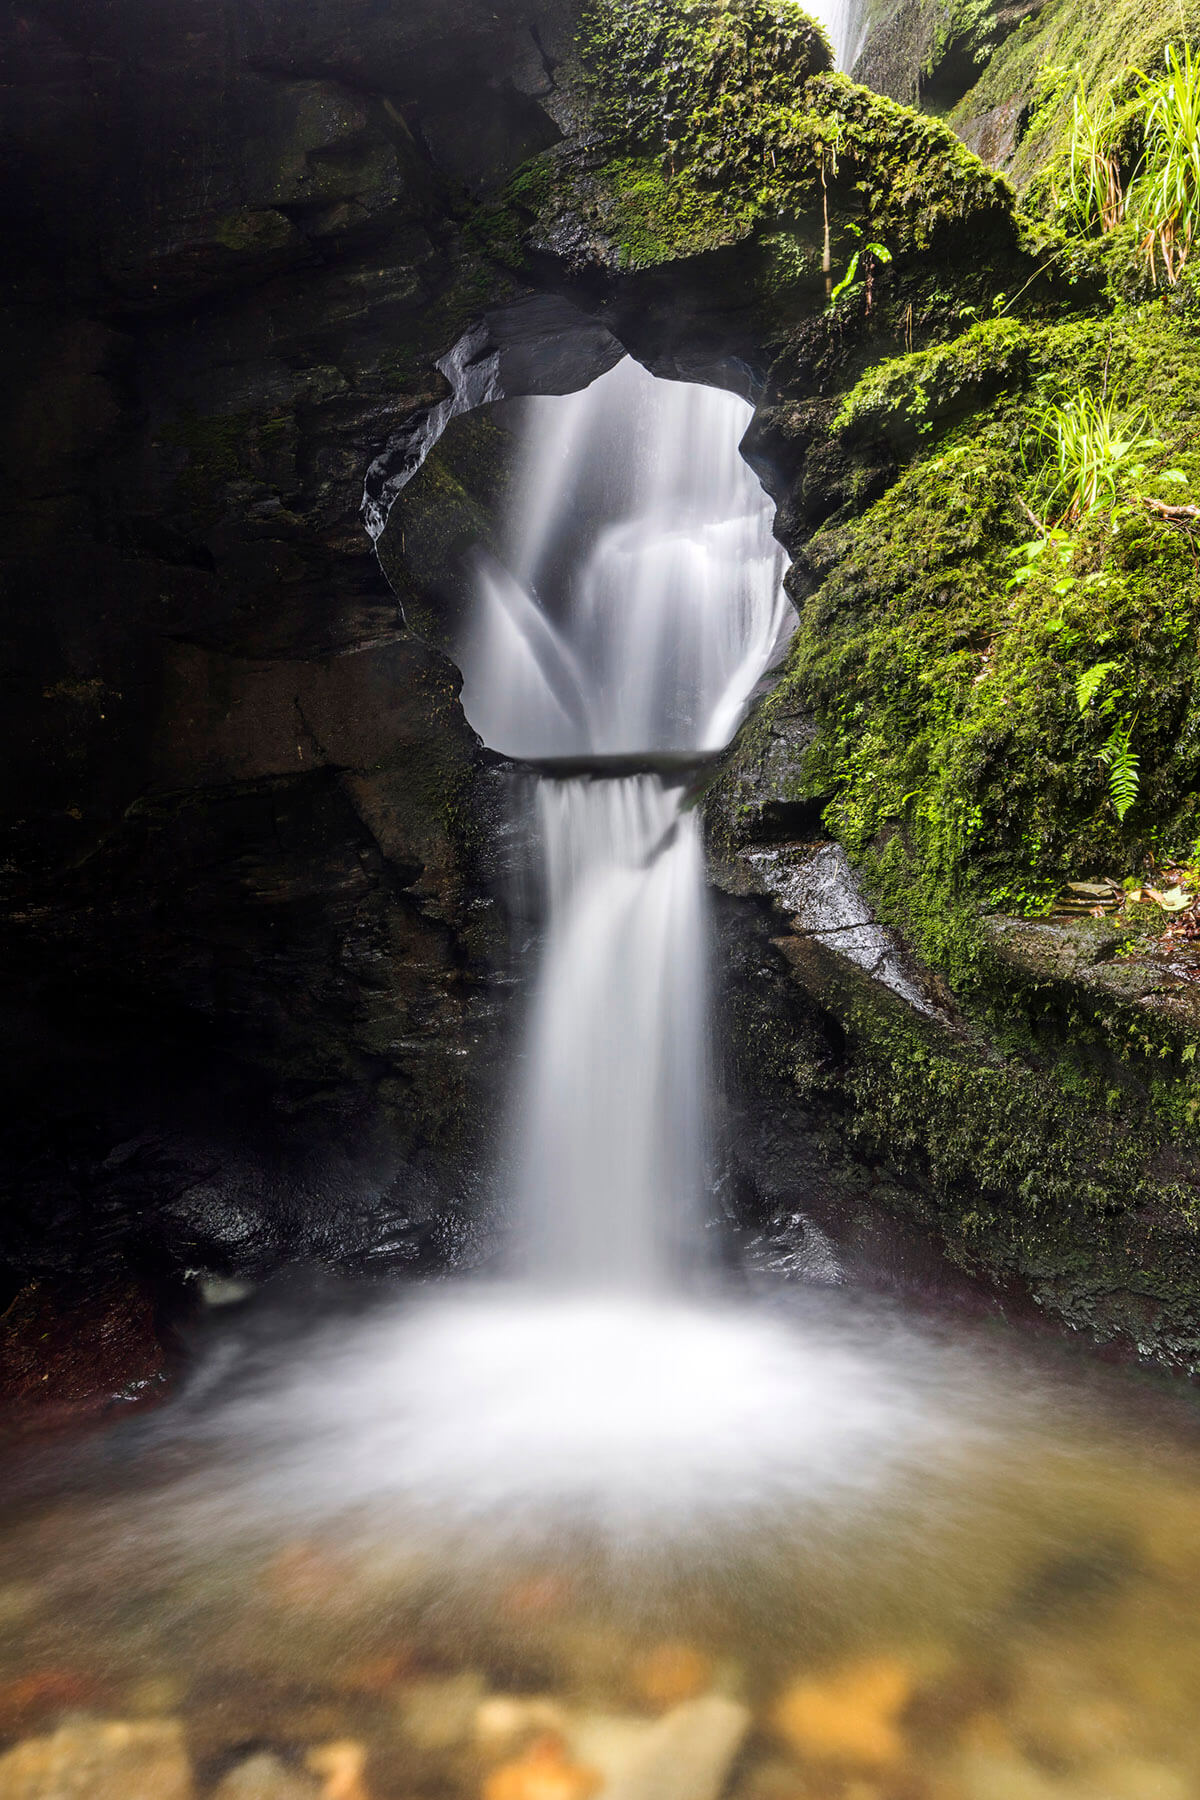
<point x="639" y="603"/>
<point x="640" y="595"/>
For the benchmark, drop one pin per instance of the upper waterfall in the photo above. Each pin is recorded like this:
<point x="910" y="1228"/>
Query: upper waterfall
<point x="640" y="595"/>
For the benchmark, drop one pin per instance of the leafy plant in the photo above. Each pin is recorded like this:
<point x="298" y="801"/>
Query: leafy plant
<point x="880" y="252"/>
<point x="1164" y="199"/>
<point x="1093" y="194"/>
<point x="1090" y="683"/>
<point x="1087" y="454"/>
<point x="1122" y="765"/>
<point x="1117" y="755"/>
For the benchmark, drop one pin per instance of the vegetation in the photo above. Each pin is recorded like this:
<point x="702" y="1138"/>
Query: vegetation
<point x="991" y="704"/>
<point x="1165" y="197"/>
<point x="1085" y="455"/>
<point x="1138" y="160"/>
<point x="712" y="122"/>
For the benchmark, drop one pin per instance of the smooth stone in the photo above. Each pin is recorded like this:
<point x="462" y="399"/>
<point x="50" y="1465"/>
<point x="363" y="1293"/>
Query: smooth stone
<point x="342" y="1767"/>
<point x="503" y="1720"/>
<point x="610" y="1742"/>
<point x="687" y="1754"/>
<point x="850" y="1716"/>
<point x="440" y="1715"/>
<point x="671" y="1673"/>
<point x="100" y="1759"/>
<point x="264" y="1777"/>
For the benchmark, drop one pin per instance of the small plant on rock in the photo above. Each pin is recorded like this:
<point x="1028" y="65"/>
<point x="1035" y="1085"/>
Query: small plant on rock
<point x="1092" y="194"/>
<point x="1095" y="690"/>
<point x="1087" y="455"/>
<point x="1164" y="200"/>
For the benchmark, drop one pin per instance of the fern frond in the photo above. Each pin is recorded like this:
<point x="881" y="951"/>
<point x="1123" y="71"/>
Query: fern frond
<point x="1122" y="765"/>
<point x="1090" y="683"/>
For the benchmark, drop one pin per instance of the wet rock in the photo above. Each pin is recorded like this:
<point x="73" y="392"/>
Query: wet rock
<point x="68" y="1352"/>
<point x="816" y="887"/>
<point x="687" y="1754"/>
<point x="93" y="1759"/>
<point x="1082" y="954"/>
<point x="265" y="1777"/>
<point x="850" y="1717"/>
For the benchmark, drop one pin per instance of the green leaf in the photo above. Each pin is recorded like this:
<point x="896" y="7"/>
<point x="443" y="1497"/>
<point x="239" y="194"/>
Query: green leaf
<point x="1090" y="683"/>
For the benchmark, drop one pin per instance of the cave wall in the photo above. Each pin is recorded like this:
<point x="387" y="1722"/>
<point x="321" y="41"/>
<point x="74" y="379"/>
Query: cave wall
<point x="251" y="947"/>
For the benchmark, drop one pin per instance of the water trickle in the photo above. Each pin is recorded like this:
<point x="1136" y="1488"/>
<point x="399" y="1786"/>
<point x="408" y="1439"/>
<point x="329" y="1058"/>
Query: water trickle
<point x="640" y="601"/>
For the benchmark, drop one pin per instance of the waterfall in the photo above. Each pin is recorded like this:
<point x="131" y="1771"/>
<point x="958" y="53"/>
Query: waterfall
<point x="844" y="22"/>
<point x="638" y="602"/>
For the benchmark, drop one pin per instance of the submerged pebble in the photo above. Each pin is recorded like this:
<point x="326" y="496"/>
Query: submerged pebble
<point x="544" y="1771"/>
<point x="100" y="1759"/>
<point x="849" y="1717"/>
<point x="265" y="1777"/>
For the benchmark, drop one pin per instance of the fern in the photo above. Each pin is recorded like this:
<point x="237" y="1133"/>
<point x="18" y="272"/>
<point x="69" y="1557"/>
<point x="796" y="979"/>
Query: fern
<point x="1090" y="683"/>
<point x="880" y="252"/>
<point x="1122" y="765"/>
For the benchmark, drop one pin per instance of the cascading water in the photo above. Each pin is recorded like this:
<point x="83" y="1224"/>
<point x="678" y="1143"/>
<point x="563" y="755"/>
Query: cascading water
<point x="640" y="601"/>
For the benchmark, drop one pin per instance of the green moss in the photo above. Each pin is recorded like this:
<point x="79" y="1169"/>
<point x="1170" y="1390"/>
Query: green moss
<point x="709" y="122"/>
<point x="952" y="756"/>
<point x="906" y="394"/>
<point x="1038" y="65"/>
<point x="658" y="218"/>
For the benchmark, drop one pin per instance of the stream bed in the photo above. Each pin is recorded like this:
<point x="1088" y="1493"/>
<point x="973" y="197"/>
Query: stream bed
<point x="480" y="1544"/>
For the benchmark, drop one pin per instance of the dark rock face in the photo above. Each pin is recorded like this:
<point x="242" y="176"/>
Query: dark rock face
<point x="248" y="919"/>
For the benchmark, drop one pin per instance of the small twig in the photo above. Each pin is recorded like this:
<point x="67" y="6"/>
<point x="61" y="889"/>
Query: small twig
<point x="1174" y="515"/>
<point x="1038" y="524"/>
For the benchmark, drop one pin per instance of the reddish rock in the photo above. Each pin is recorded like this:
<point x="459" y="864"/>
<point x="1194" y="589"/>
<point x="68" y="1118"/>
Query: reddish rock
<point x="67" y="1354"/>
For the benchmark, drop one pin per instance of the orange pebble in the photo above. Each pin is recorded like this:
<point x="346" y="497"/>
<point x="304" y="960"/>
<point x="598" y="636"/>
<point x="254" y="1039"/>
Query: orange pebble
<point x="30" y="1697"/>
<point x="340" y="1765"/>
<point x="851" y="1717"/>
<point x="542" y="1773"/>
<point x="376" y="1675"/>
<point x="672" y="1673"/>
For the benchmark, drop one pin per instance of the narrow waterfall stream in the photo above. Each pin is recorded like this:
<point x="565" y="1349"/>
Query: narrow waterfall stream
<point x="600" y="1520"/>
